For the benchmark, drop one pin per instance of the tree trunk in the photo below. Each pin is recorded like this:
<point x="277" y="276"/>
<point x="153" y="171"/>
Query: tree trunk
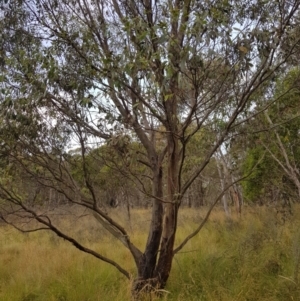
<point x="145" y="280"/>
<point x="164" y="264"/>
<point x="153" y="273"/>
<point x="223" y="184"/>
<point x="171" y="206"/>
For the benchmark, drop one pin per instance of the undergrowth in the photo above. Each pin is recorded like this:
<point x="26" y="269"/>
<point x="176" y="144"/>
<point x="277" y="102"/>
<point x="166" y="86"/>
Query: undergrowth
<point x="255" y="257"/>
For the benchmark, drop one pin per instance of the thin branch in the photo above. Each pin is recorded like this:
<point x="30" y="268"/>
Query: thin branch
<point x="59" y="233"/>
<point x="194" y="233"/>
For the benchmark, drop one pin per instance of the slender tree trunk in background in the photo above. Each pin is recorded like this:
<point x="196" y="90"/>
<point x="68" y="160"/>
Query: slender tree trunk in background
<point x="234" y="192"/>
<point x="222" y="182"/>
<point x="50" y="196"/>
<point x="189" y="200"/>
<point x="198" y="200"/>
<point x="236" y="200"/>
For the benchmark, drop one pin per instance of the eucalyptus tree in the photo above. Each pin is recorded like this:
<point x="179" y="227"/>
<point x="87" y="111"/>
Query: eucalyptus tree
<point x="284" y="119"/>
<point x="103" y="70"/>
<point x="276" y="143"/>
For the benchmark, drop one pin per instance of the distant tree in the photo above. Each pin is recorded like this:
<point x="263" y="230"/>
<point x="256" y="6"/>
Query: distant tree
<point x="96" y="71"/>
<point x="276" y="145"/>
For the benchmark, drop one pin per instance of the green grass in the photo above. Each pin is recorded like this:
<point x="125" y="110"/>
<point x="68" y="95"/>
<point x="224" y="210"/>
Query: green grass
<point x="252" y="258"/>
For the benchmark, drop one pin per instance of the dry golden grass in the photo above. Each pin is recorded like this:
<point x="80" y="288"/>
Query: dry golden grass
<point x="252" y="258"/>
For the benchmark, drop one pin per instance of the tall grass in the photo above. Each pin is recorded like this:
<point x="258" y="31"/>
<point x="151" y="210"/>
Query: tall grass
<point x="255" y="257"/>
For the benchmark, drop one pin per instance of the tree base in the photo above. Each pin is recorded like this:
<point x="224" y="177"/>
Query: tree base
<point x="145" y="289"/>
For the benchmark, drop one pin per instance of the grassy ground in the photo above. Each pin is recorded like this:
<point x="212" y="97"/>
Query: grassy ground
<point x="251" y="258"/>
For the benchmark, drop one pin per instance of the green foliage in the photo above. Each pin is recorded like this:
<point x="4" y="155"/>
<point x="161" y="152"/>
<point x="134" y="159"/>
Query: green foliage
<point x="267" y="175"/>
<point x="264" y="175"/>
<point x="254" y="184"/>
<point x="112" y="169"/>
